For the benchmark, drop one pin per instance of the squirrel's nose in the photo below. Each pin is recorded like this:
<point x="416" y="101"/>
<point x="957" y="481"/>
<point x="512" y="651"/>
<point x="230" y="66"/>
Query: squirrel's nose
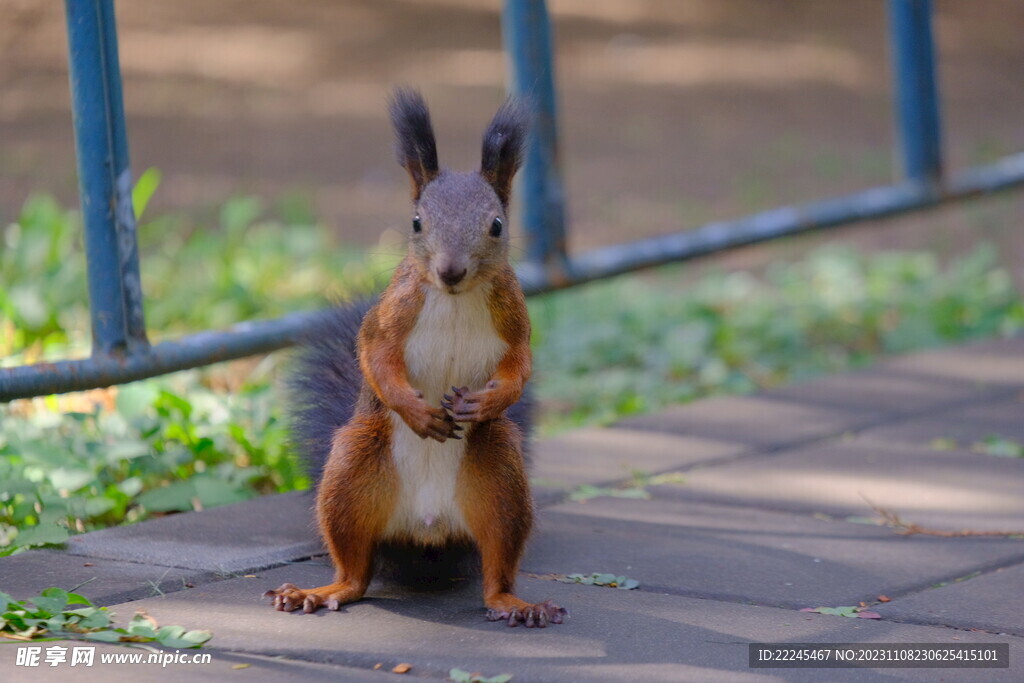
<point x="450" y="276"/>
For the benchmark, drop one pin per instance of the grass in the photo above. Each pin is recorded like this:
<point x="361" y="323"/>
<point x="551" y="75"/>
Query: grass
<point x="216" y="435"/>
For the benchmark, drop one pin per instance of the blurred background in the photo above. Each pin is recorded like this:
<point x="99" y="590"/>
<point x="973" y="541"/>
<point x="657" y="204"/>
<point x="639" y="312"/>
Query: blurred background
<point x="266" y="183"/>
<point x="673" y="112"/>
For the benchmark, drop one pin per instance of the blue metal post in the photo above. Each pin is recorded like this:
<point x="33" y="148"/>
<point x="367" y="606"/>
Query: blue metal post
<point x="913" y="58"/>
<point x="124" y="214"/>
<point x="527" y="33"/>
<point x="102" y="153"/>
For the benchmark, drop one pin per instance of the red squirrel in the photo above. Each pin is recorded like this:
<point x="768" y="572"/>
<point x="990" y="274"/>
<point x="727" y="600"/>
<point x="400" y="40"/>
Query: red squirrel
<point x="422" y="426"/>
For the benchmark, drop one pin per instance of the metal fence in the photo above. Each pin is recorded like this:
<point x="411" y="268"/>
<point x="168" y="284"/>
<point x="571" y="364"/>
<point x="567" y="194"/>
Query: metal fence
<point x="122" y="353"/>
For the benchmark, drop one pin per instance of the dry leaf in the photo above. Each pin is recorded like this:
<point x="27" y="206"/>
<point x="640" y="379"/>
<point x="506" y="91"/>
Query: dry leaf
<point x="884" y="598"/>
<point x="240" y="666"/>
<point x="377" y="665"/>
<point x="401" y="669"/>
<point x="142" y="614"/>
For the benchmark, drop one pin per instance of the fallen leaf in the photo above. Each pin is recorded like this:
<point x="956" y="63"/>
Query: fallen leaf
<point x="844" y="611"/>
<point x="240" y="666"/>
<point x="884" y="598"/>
<point x="142" y="615"/>
<point x="377" y="665"/>
<point x="402" y="668"/>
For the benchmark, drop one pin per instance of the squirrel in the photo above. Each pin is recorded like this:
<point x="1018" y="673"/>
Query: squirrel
<point x="414" y="404"/>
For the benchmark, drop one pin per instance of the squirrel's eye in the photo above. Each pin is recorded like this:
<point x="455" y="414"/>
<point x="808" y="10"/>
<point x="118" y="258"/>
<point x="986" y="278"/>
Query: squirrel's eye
<point x="417" y="225"/>
<point x="496" y="228"/>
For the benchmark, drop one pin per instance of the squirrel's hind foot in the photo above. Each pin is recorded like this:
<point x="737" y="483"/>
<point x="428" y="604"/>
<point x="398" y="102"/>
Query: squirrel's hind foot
<point x="288" y="598"/>
<point x="531" y="616"/>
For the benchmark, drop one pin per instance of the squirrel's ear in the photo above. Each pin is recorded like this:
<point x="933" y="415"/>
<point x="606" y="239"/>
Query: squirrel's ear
<point x="414" y="138"/>
<point x="503" y="147"/>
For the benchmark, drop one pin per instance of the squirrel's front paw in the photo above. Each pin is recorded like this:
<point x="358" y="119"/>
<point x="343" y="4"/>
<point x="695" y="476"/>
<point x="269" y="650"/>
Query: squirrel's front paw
<point x="474" y="406"/>
<point x="431" y="423"/>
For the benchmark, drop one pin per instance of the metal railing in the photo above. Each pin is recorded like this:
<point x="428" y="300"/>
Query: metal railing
<point x="121" y="352"/>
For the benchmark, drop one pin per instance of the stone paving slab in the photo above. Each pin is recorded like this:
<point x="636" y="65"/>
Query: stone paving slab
<point x="103" y="581"/>
<point x="945" y="489"/>
<point x="751" y="556"/>
<point x="882" y="391"/>
<point x="993" y="602"/>
<point x="257" y="533"/>
<point x="761" y="422"/>
<point x="599" y="456"/>
<point x="964" y="426"/>
<point x="220" y="668"/>
<point x="613" y="635"/>
<point x="997" y="362"/>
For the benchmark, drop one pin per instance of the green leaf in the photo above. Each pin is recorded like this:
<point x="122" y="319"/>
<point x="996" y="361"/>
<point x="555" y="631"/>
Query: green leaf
<point x="56" y="623"/>
<point x="52" y="600"/>
<point x="175" y="496"/>
<point x="130" y="487"/>
<point x="213" y="492"/>
<point x="98" y="619"/>
<point x="176" y="636"/>
<point x="997" y="445"/>
<point x="43" y="534"/>
<point x="143" y="626"/>
<point x="143" y="191"/>
<point x="103" y="636"/>
<point x="126" y="450"/>
<point x="78" y="599"/>
<point x="845" y="611"/>
<point x="69" y="478"/>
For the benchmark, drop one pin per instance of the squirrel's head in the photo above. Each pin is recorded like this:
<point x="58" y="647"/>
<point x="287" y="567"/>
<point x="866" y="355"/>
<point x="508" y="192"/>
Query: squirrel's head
<point x="458" y="233"/>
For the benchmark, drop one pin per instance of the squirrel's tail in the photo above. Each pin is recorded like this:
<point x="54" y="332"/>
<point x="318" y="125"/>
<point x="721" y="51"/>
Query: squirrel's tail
<point x="323" y="384"/>
<point x="325" y="381"/>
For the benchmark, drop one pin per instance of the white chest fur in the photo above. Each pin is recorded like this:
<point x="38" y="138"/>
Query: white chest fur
<point x="454" y="343"/>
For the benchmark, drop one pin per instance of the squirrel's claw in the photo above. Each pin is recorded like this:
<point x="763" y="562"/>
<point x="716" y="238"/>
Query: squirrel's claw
<point x="531" y="616"/>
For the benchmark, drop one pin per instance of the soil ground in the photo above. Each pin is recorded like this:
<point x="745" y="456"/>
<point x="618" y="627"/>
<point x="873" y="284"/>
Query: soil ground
<point x="673" y="112"/>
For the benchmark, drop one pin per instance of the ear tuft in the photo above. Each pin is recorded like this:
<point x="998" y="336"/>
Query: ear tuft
<point x="414" y="137"/>
<point x="503" y="145"/>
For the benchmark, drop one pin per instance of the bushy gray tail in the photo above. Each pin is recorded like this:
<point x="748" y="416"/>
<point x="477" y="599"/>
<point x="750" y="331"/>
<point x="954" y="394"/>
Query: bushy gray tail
<point x="324" y="385"/>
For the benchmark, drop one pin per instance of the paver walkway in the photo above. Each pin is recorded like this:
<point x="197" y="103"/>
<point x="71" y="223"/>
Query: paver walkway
<point x="772" y="515"/>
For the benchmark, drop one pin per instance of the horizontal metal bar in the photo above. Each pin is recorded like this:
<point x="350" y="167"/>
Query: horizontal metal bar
<point x="204" y="348"/>
<point x="789" y="220"/>
<point x="251" y="338"/>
